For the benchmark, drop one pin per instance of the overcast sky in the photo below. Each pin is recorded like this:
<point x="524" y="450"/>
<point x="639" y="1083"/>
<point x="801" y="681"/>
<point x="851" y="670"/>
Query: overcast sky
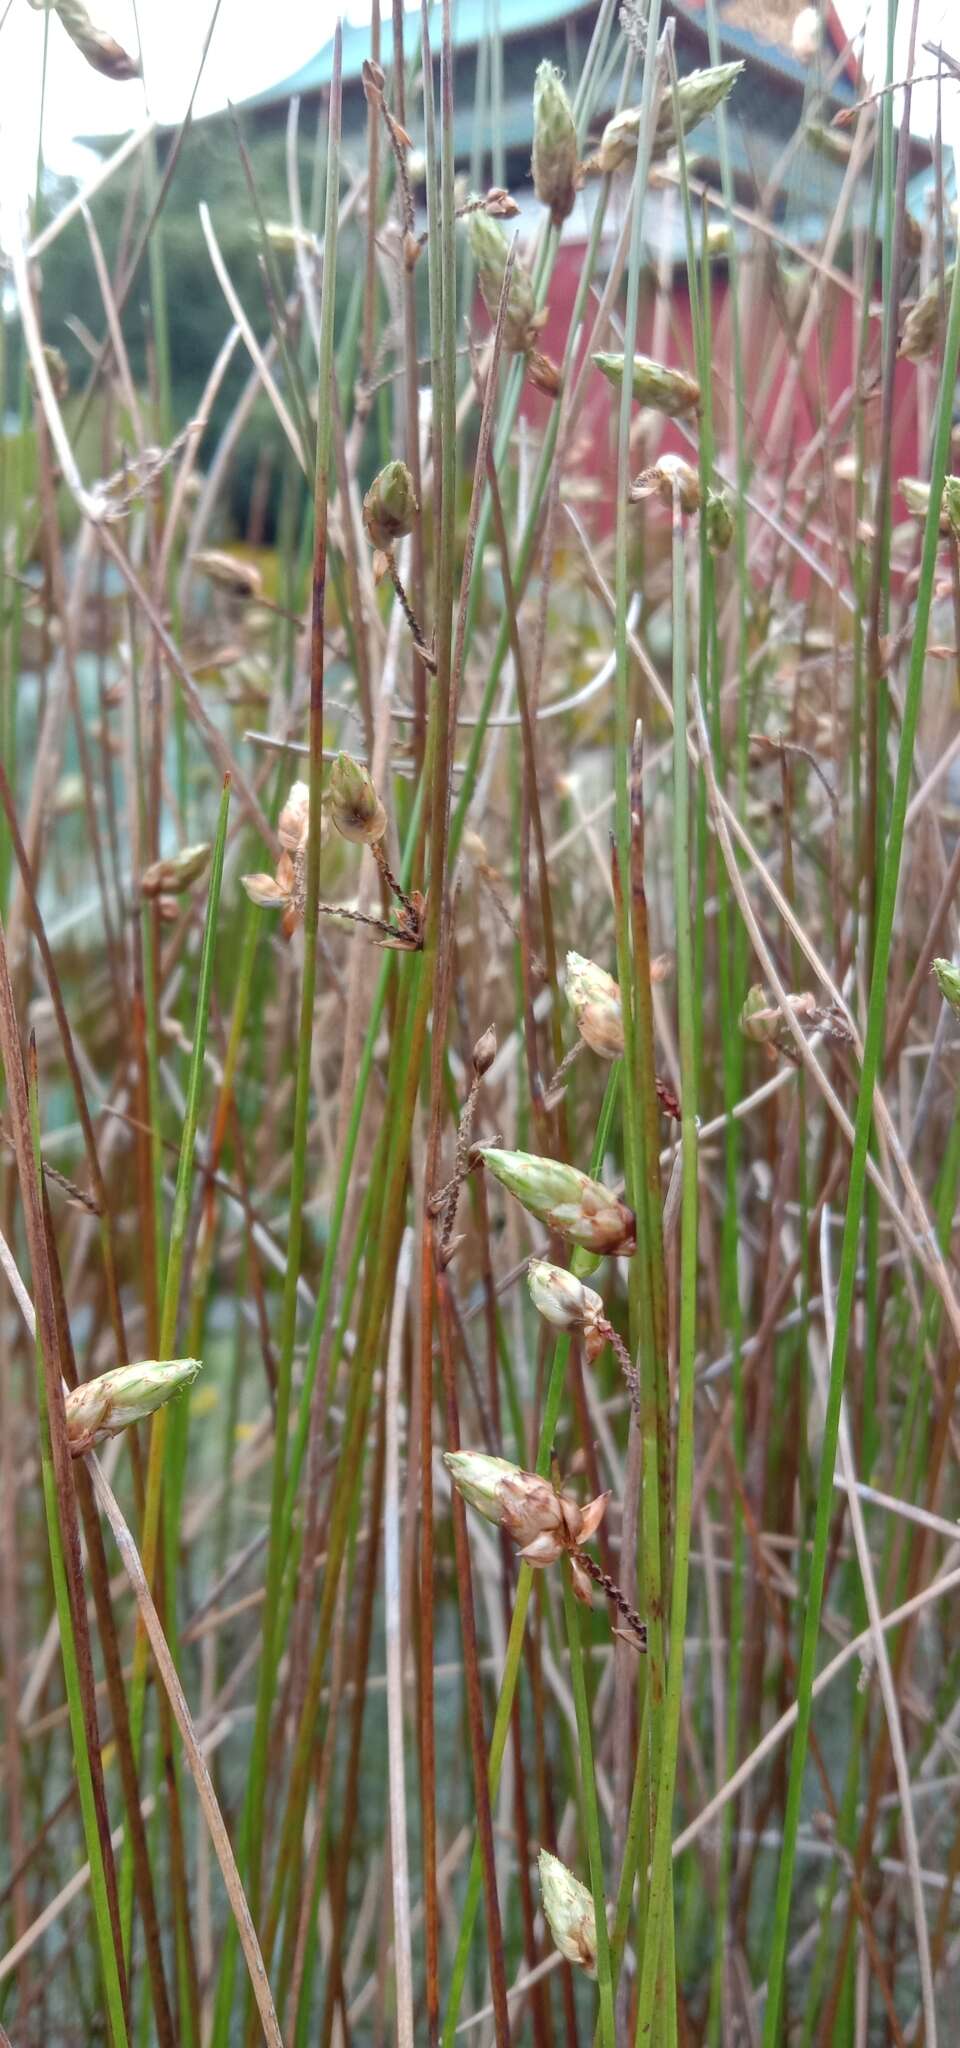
<point x="255" y="43"/>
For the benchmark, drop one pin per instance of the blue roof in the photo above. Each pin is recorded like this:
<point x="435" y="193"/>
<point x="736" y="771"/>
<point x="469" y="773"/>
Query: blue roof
<point x="475" y="20"/>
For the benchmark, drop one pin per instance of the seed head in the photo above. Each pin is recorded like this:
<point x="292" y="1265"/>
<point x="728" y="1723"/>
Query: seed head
<point x="659" y="481"/>
<point x="543" y="373"/>
<point x="293" y="824"/>
<point x="718" y="522"/>
<point x="355" y="807"/>
<point x="668" y="391"/>
<point x="103" y="1407"/>
<point x="390" y="507"/>
<point x="594" y="998"/>
<point x="171" y="877"/>
<point x="569" y="1912"/>
<point x="564" y="1302"/>
<point x="266" y="892"/>
<point x="698" y="94"/>
<point x="490" y="250"/>
<point x="555" y="166"/>
<point x="759" y="1020"/>
<point x="567" y="1200"/>
<point x="948" y="982"/>
<point x="227" y="572"/>
<point x="485" y="1052"/>
<point x="921" y="328"/>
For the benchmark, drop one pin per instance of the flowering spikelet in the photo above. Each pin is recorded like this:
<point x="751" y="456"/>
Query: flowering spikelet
<point x="671" y="392"/>
<point x="390" y="506"/>
<point x="521" y="321"/>
<point x="286" y="889"/>
<point x="668" y="473"/>
<point x="103" y="1407"/>
<point x="566" y="1304"/>
<point x="565" y="1199"/>
<point x="170" y="877"/>
<point x="555" y="167"/>
<point x="355" y="807"/>
<point x="569" y="1912"/>
<point x="594" y="998"/>
<point x="698" y="94"/>
<point x="490" y="250"/>
<point x="921" y="329"/>
<point x="543" y="1522"/>
<point x="102" y="53"/>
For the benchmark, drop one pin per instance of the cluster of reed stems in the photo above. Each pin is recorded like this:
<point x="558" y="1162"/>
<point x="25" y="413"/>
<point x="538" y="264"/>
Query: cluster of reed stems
<point x="391" y="1649"/>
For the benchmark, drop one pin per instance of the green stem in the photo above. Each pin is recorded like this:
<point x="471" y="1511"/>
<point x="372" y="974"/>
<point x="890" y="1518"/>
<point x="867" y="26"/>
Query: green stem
<point x="660" y="1891"/>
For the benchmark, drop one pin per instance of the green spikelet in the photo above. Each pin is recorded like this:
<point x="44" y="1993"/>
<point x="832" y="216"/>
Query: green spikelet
<point x="555" y="166"/>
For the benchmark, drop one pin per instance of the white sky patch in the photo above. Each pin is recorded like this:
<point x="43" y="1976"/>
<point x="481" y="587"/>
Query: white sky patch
<point x="938" y="22"/>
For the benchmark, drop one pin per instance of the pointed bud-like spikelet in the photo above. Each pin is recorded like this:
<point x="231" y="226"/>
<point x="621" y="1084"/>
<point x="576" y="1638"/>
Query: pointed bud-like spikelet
<point x="951" y="503"/>
<point x="170" y="877"/>
<point x="759" y="1021"/>
<point x="569" y="1912"/>
<point x="594" y="998"/>
<point x="555" y="165"/>
<point x="490" y="250"/>
<point x="565" y="1199"/>
<point x="948" y="982"/>
<point x="480" y="1480"/>
<point x="566" y="1304"/>
<point x="390" y="507"/>
<point x="227" y="572"/>
<point x="921" y="328"/>
<point x="668" y="391"/>
<point x="670" y="472"/>
<point x="915" y="494"/>
<point x="718" y="522"/>
<point x="485" y="1052"/>
<point x="698" y="94"/>
<point x="103" y="1407"/>
<point x="355" y="807"/>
